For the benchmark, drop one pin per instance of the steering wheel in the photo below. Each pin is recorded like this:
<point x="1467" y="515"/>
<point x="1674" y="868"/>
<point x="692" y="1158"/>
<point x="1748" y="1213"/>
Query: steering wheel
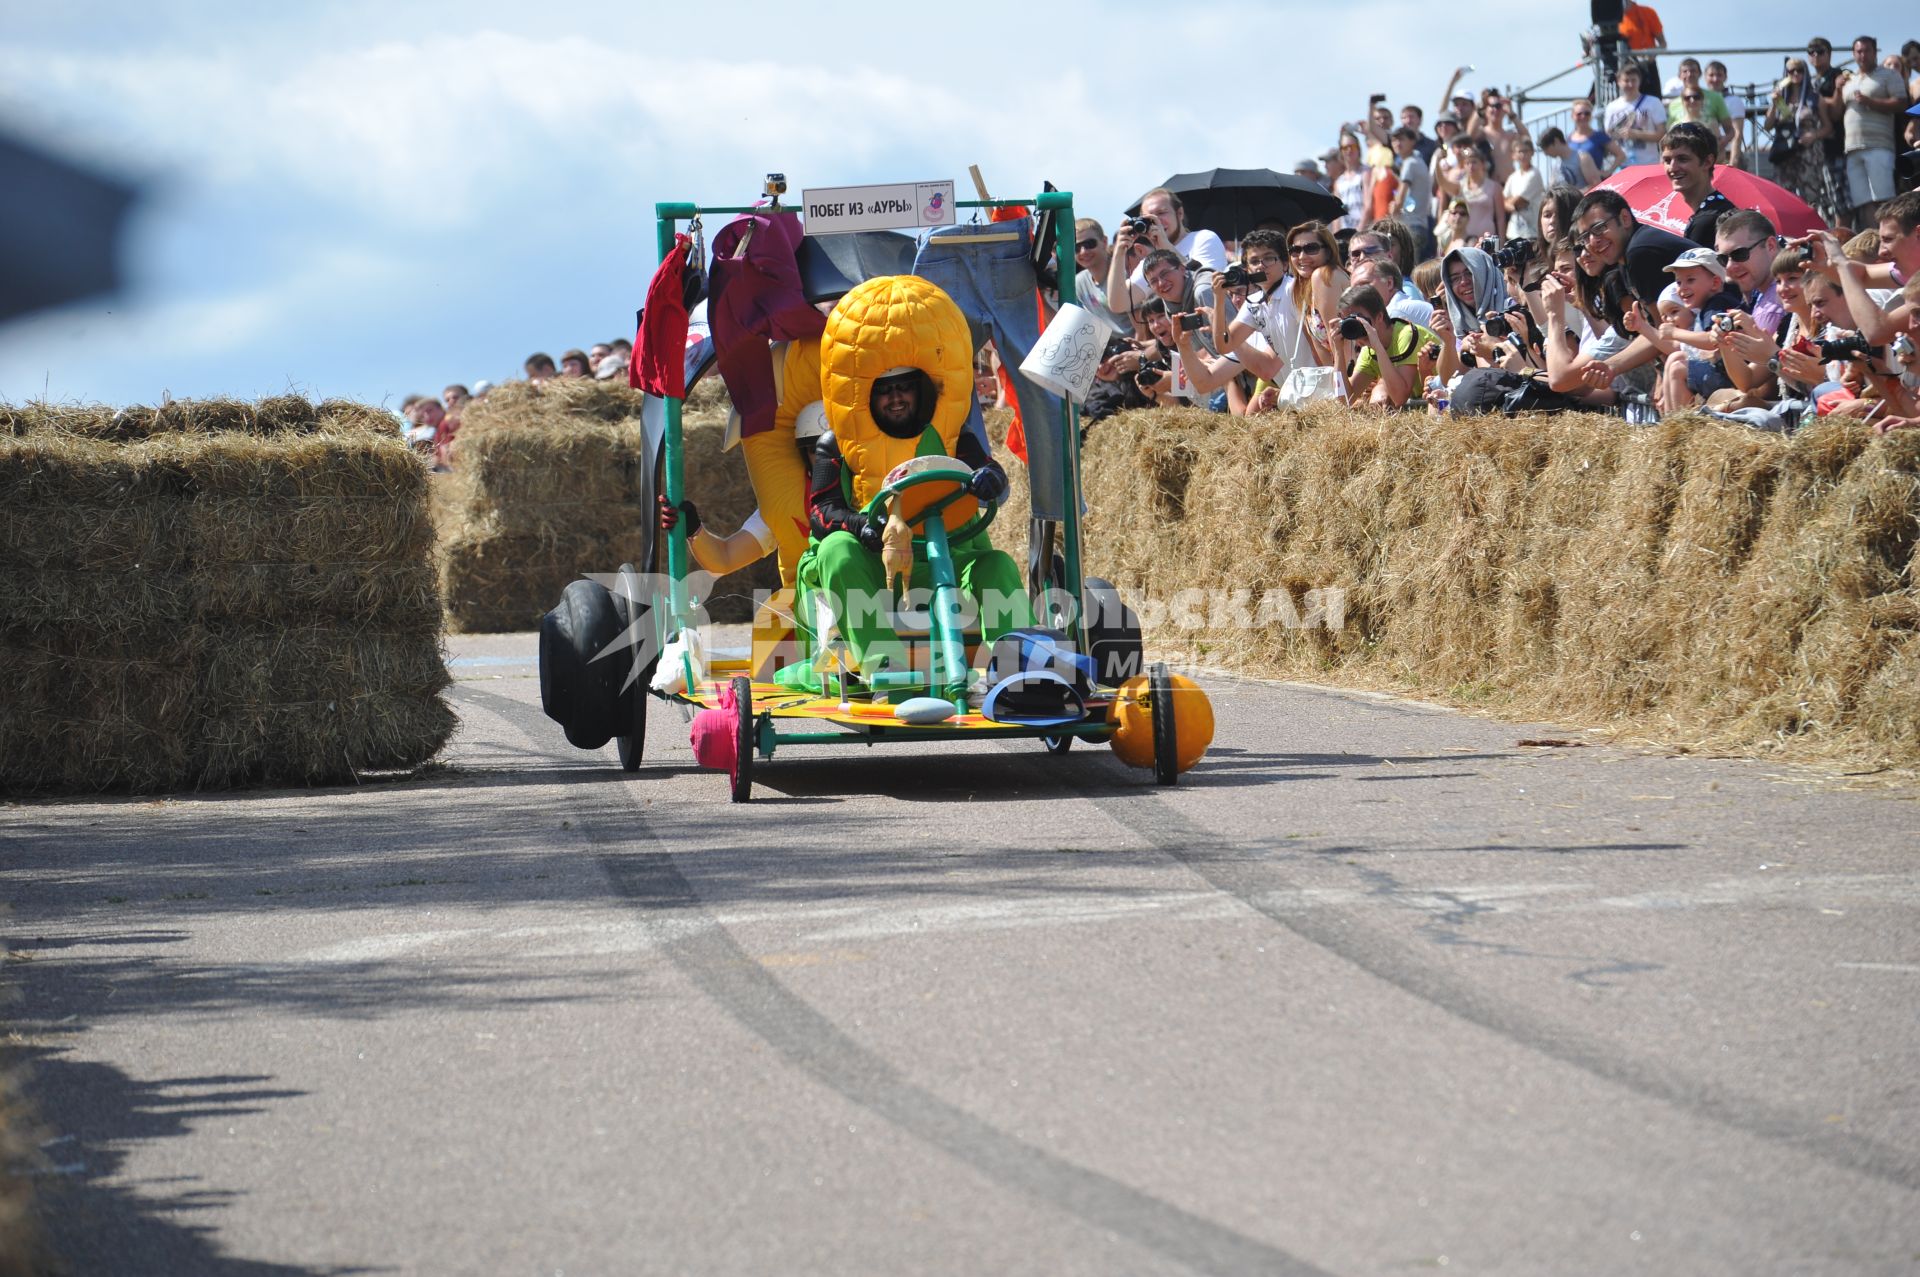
<point x="954" y="476"/>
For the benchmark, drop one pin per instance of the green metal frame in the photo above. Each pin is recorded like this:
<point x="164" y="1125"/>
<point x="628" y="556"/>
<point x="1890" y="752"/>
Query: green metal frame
<point x="679" y="605"/>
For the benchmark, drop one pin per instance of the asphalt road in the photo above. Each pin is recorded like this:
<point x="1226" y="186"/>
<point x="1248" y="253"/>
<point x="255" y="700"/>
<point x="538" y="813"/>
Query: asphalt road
<point x="1377" y="989"/>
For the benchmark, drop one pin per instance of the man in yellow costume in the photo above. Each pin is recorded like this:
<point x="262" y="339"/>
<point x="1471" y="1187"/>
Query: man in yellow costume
<point x="896" y="366"/>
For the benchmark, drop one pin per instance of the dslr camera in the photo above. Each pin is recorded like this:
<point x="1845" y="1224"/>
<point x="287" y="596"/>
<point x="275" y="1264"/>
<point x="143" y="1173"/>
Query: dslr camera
<point x="1724" y="322"/>
<point x="1499" y="327"/>
<point x="1514" y="254"/>
<point x="1852" y="346"/>
<point x="1238" y="276"/>
<point x="1151" y="370"/>
<point x="1142" y="227"/>
<point x="1354" y="329"/>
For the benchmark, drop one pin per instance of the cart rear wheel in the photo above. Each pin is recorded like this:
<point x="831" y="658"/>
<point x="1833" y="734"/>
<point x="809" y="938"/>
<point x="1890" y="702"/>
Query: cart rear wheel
<point x="1058" y="744"/>
<point x="1166" y="743"/>
<point x="743" y="738"/>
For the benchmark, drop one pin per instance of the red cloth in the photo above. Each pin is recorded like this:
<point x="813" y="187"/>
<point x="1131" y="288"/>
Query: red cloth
<point x="1016" y="432"/>
<point x="1833" y="399"/>
<point x="659" y="364"/>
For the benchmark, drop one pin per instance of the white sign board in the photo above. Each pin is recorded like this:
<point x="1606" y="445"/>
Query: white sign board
<point x="898" y="206"/>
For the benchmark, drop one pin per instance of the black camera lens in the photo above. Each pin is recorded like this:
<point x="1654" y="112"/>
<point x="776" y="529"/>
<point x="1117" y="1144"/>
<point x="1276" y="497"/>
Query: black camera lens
<point x="1498" y="327"/>
<point x="1353" y="329"/>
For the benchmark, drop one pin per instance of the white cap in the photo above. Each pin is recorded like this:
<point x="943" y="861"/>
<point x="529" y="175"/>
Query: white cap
<point x="1704" y="258"/>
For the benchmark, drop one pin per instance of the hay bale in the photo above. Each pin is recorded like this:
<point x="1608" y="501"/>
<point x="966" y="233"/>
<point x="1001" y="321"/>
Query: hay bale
<point x="548" y="483"/>
<point x="313" y="704"/>
<point x="92" y="714"/>
<point x="185" y="589"/>
<point x="273" y="416"/>
<point x="1696" y="581"/>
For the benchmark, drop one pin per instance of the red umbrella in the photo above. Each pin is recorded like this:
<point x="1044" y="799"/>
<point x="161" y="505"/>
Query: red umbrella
<point x="1656" y="203"/>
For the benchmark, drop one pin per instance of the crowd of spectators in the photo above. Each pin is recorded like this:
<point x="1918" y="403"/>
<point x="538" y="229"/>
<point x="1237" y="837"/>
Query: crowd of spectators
<point x="432" y="424"/>
<point x="1477" y="268"/>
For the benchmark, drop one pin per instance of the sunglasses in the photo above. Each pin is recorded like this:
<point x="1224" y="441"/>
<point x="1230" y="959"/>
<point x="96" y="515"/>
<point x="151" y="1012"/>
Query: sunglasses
<point x="1691" y="97"/>
<point x="1086" y="244"/>
<point x="1740" y="254"/>
<point x="1306" y="250"/>
<point x="1363" y="252"/>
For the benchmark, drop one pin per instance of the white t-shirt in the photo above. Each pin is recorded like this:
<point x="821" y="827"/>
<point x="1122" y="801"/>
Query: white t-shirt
<point x="1646" y="114"/>
<point x="1276" y="319"/>
<point x="1352" y="190"/>
<point x="1525" y="224"/>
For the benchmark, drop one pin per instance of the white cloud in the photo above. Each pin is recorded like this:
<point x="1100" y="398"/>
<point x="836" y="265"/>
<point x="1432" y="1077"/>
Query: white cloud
<point x="436" y="132"/>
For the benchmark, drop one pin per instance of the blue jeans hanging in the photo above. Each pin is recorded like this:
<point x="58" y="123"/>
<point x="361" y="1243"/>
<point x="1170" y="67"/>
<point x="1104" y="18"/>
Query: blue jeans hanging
<point x="993" y="285"/>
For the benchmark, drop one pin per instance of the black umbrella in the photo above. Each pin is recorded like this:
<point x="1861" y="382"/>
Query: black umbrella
<point x="1232" y="201"/>
<point x="59" y="227"/>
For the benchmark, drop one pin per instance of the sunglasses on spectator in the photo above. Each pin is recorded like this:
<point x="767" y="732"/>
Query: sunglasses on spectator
<point x="1691" y="97"/>
<point x="1307" y="249"/>
<point x="1361" y="252"/>
<point x="1086" y="244"/>
<point x="1740" y="254"/>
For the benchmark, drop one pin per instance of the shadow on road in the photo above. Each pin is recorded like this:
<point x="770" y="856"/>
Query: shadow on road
<point x="97" y="1224"/>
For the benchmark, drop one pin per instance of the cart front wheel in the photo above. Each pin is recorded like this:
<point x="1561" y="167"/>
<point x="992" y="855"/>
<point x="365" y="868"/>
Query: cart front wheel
<point x="1058" y="744"/>
<point x="743" y="738"/>
<point x="1166" y="743"/>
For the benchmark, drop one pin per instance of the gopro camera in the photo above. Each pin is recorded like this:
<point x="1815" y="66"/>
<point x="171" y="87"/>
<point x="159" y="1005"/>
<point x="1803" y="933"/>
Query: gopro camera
<point x="776" y="184"/>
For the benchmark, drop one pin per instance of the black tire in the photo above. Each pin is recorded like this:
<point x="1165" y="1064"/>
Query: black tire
<point x="1058" y="744"/>
<point x="632" y="740"/>
<point x="1113" y="634"/>
<point x="581" y="693"/>
<point x="743" y="739"/>
<point x="1166" y="744"/>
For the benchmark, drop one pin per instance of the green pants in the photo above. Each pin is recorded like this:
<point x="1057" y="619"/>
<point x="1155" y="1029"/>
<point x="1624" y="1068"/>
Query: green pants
<point x="851" y="575"/>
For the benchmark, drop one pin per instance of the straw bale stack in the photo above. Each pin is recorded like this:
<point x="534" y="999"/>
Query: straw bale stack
<point x="214" y="593"/>
<point x="548" y="483"/>
<point x="1697" y="582"/>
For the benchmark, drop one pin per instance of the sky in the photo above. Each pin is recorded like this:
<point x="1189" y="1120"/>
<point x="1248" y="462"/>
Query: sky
<point x="374" y="199"/>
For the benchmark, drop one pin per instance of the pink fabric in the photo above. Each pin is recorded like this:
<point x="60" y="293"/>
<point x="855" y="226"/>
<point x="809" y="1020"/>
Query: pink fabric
<point x="715" y="733"/>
